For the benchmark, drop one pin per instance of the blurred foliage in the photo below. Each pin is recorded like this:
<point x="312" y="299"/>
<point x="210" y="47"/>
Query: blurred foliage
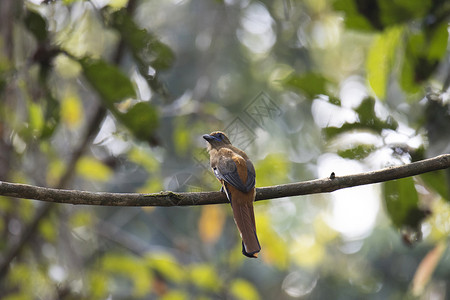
<point x="115" y="96"/>
<point x="402" y="203"/>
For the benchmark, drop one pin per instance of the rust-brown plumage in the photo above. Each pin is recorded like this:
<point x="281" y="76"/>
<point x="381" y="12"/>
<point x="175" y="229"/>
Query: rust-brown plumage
<point x="236" y="173"/>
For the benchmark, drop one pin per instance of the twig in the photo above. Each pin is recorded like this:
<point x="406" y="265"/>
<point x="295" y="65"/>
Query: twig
<point x="202" y="198"/>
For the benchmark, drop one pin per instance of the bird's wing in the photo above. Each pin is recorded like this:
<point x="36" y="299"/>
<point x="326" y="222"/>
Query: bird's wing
<point x="233" y="169"/>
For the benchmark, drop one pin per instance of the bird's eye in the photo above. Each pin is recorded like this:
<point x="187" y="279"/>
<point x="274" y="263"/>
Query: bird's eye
<point x="220" y="136"/>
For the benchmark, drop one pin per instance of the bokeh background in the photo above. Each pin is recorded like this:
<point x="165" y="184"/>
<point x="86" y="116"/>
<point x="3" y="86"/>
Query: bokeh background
<point x="114" y="95"/>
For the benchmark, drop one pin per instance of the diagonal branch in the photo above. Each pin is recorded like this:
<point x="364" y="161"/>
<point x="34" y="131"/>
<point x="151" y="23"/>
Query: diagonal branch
<point x="202" y="198"/>
<point x="44" y="210"/>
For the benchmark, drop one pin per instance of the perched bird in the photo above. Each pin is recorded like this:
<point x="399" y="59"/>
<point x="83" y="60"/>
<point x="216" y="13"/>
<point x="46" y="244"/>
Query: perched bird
<point x="236" y="173"/>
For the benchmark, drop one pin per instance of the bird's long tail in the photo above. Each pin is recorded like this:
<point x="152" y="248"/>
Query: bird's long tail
<point x="242" y="205"/>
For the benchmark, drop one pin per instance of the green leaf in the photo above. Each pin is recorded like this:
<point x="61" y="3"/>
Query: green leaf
<point x="181" y="138"/>
<point x="423" y="52"/>
<point x="81" y="218"/>
<point x="367" y="120"/>
<point x="93" y="169"/>
<point x="437" y="180"/>
<point x="311" y="84"/>
<point x="402" y="11"/>
<point x="402" y="201"/>
<point x="331" y="132"/>
<point x="358" y="152"/>
<point x="36" y="117"/>
<point x="175" y="295"/>
<point x="146" y="48"/>
<point x="97" y="284"/>
<point x="273" y="169"/>
<point x="205" y="277"/>
<point x="112" y="85"/>
<point x="131" y="268"/>
<point x="438" y="39"/>
<point x="141" y="119"/>
<point x="381" y="14"/>
<point x="242" y="289"/>
<point x="48" y="230"/>
<point x="37" y="25"/>
<point x="334" y="100"/>
<point x="145" y="159"/>
<point x="167" y="265"/>
<point x="52" y="117"/>
<point x="381" y="58"/>
<point x="407" y="76"/>
<point x="368" y="117"/>
<point x="353" y="18"/>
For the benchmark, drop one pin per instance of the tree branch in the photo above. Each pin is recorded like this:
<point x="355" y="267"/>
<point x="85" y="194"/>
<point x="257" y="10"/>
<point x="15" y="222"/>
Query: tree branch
<point x="202" y="198"/>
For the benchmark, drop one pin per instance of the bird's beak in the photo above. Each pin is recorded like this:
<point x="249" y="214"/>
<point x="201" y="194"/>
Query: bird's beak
<point x="208" y="137"/>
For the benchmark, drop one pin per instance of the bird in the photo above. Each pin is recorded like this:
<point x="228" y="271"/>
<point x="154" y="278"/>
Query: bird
<point x="236" y="173"/>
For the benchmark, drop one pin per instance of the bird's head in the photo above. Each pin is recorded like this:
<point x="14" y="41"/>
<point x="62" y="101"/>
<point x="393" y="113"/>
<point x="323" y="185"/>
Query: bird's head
<point x="217" y="139"/>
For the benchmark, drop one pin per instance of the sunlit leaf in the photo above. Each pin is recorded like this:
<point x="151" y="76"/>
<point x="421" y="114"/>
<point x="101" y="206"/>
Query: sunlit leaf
<point x="20" y="275"/>
<point x="205" y="277"/>
<point x="48" y="230"/>
<point x="380" y="59"/>
<point x="26" y="210"/>
<point x="54" y="171"/>
<point x="132" y="268"/>
<point x="438" y="41"/>
<point x="72" y="111"/>
<point x="312" y="84"/>
<point x="175" y="295"/>
<point x="5" y="204"/>
<point x="307" y="252"/>
<point x="152" y="185"/>
<point x="323" y="232"/>
<point x="93" y="169"/>
<point x="402" y="201"/>
<point x="167" y="265"/>
<point x="274" y="249"/>
<point x="243" y="290"/>
<point x="182" y="139"/>
<point x="97" y="284"/>
<point x="36" y="117"/>
<point x="81" y="218"/>
<point x="28" y="281"/>
<point x="426" y="268"/>
<point x="210" y="223"/>
<point x="273" y="169"/>
<point x="144" y="159"/>
<point x="66" y="67"/>
<point x="439" y="221"/>
<point x="117" y="4"/>
<point x="67" y="2"/>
